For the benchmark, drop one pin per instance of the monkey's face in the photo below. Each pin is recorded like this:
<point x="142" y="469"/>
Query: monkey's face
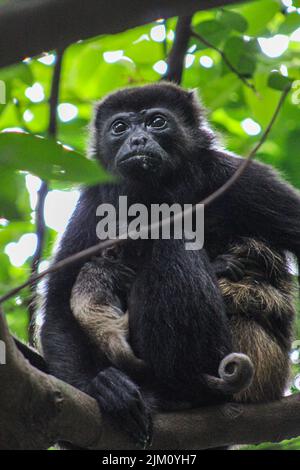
<point x="142" y="143"/>
<point x="146" y="133"/>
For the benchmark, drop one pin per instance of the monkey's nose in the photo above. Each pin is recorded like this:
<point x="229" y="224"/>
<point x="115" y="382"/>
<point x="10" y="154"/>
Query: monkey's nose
<point x="138" y="140"/>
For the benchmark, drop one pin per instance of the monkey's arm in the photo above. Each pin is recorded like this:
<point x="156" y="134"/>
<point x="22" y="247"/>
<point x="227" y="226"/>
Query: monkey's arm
<point x="97" y="296"/>
<point x="274" y="208"/>
<point x="259" y="204"/>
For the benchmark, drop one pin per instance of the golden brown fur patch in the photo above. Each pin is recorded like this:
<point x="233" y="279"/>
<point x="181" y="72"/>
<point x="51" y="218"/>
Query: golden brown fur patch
<point x="258" y="306"/>
<point x="248" y="295"/>
<point x="271" y="363"/>
<point x="107" y="329"/>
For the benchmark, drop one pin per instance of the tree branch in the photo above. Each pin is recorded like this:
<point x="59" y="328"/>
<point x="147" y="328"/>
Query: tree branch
<point x="176" y="57"/>
<point x="43" y="191"/>
<point x="43" y="410"/>
<point x="38" y="410"/>
<point x="54" y="94"/>
<point x="219" y="192"/>
<point x="46" y="21"/>
<point x="225" y="59"/>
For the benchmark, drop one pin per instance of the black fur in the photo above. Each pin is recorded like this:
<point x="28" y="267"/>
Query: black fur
<point x="177" y="317"/>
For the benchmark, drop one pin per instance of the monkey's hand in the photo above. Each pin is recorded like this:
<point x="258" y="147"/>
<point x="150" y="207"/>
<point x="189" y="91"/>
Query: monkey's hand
<point x="235" y="267"/>
<point x="121" y="402"/>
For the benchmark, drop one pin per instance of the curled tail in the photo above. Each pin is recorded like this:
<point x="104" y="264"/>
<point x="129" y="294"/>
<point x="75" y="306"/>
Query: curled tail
<point x="236" y="373"/>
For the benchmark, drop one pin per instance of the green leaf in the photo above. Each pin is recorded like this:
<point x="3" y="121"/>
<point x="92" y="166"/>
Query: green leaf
<point x="21" y="72"/>
<point x="40" y="120"/>
<point x="222" y="119"/>
<point x="233" y="20"/>
<point x="47" y="159"/>
<point x="216" y="92"/>
<point x="212" y="30"/>
<point x="122" y="40"/>
<point x="12" y="190"/>
<point x="18" y="322"/>
<point x="258" y="14"/>
<point x="241" y="54"/>
<point x="13" y="231"/>
<point x="292" y="444"/>
<point x="261" y="106"/>
<point x="144" y="52"/>
<point x="292" y="148"/>
<point x="73" y="133"/>
<point x="278" y="81"/>
<point x="290" y="24"/>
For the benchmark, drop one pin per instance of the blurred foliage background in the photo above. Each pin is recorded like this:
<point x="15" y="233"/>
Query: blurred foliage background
<point x="260" y="39"/>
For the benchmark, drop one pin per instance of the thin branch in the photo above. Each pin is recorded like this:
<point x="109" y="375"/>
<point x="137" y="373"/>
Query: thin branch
<point x="177" y="54"/>
<point x="93" y="250"/>
<point x="219" y="192"/>
<point x="54" y="94"/>
<point x="165" y="43"/>
<point x="52" y="130"/>
<point x="225" y="59"/>
<point x="43" y="191"/>
<point x="45" y="20"/>
<point x="52" y="411"/>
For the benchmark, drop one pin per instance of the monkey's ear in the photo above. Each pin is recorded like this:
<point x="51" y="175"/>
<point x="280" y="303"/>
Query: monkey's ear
<point x="193" y="96"/>
<point x="196" y="103"/>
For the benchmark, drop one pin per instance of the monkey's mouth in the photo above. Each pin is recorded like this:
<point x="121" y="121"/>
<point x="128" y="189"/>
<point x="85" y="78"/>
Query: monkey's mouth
<point x="142" y="161"/>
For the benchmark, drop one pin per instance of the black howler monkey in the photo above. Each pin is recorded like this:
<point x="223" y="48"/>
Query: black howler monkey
<point x="155" y="138"/>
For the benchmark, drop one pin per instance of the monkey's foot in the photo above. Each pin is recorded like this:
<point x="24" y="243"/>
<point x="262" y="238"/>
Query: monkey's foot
<point x="122" y="403"/>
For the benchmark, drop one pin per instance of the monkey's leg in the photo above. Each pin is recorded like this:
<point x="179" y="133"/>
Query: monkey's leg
<point x="96" y="302"/>
<point x="97" y="307"/>
<point x="260" y="309"/>
<point x="72" y="358"/>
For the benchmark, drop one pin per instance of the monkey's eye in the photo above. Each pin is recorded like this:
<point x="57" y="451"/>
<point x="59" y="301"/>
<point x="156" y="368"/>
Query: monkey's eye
<point x="158" y="122"/>
<point x="119" y="127"/>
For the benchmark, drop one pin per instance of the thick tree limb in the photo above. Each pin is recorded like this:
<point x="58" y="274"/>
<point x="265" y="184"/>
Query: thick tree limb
<point x="38" y="410"/>
<point x="32" y="27"/>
